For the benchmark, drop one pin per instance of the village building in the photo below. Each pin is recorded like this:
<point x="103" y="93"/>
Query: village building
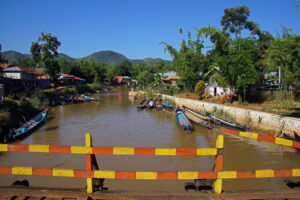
<point x="66" y="79"/>
<point x="214" y="89"/>
<point x="17" y="78"/>
<point x="169" y="78"/>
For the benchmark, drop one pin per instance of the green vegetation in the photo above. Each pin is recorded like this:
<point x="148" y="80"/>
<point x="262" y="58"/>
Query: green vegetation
<point x="44" y="52"/>
<point x="199" y="88"/>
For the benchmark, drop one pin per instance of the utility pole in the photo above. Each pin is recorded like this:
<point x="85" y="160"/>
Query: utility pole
<point x="279" y="72"/>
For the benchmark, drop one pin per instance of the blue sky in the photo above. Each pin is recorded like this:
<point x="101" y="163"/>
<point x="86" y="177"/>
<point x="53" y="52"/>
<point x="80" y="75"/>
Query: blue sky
<point x="133" y="28"/>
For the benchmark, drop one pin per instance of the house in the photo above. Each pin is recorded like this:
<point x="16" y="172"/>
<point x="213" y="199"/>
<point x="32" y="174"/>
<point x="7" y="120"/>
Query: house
<point x="213" y="88"/>
<point x="169" y="77"/>
<point x="67" y="79"/>
<point x="118" y="80"/>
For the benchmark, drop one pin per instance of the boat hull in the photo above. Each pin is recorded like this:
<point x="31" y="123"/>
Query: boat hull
<point x="198" y="118"/>
<point x="183" y="121"/>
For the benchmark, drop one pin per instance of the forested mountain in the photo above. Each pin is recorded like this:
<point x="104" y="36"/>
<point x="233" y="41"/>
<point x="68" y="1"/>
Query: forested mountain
<point x="107" y="57"/>
<point x="13" y="56"/>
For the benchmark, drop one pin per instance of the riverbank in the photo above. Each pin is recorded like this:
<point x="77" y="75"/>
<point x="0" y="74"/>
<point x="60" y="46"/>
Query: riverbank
<point x="19" y="108"/>
<point x="256" y="120"/>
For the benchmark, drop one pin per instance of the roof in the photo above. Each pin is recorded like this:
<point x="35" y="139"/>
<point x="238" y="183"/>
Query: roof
<point x="71" y="77"/>
<point x="39" y="70"/>
<point x="118" y="79"/>
<point x="25" y="69"/>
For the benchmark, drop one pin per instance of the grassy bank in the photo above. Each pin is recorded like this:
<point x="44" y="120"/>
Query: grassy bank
<point x="19" y="108"/>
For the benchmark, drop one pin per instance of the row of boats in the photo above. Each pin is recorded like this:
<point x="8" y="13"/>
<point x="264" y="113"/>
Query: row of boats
<point x="154" y="103"/>
<point x="184" y="115"/>
<point x="35" y="121"/>
<point x="73" y="98"/>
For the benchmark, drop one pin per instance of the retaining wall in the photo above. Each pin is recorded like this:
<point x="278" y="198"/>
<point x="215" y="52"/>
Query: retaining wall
<point x="256" y="120"/>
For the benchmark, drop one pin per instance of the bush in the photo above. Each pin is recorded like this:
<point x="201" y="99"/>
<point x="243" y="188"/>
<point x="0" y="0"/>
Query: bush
<point x="172" y="90"/>
<point x="199" y="88"/>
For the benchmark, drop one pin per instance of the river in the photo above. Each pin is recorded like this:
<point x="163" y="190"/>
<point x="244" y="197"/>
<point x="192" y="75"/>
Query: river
<point x="115" y="121"/>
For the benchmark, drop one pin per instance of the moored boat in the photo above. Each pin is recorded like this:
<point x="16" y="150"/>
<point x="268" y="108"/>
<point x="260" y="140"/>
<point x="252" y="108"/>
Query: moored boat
<point x="142" y="104"/>
<point x="197" y="117"/>
<point x="158" y="104"/>
<point x="219" y="121"/>
<point x="87" y="98"/>
<point x="150" y="103"/>
<point x="183" y="121"/>
<point x="25" y="128"/>
<point x="167" y="105"/>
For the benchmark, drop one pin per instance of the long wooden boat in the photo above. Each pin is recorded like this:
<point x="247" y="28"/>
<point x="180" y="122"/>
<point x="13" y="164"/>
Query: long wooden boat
<point x="87" y="98"/>
<point x="183" y="121"/>
<point x="28" y="126"/>
<point x="197" y="117"/>
<point x="219" y="121"/>
<point x="142" y="104"/>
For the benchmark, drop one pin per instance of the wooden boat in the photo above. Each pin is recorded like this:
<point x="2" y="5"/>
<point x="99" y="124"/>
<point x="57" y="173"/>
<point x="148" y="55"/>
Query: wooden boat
<point x="150" y="103"/>
<point x="219" y="121"/>
<point x="295" y="138"/>
<point x="25" y="128"/>
<point x="167" y="105"/>
<point x="183" y="120"/>
<point x="142" y="104"/>
<point x="158" y="104"/>
<point x="197" y="117"/>
<point x="87" y="98"/>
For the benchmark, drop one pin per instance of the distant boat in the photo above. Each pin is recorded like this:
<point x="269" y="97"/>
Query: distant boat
<point x="25" y="128"/>
<point x="217" y="120"/>
<point x="197" y="117"/>
<point x="183" y="121"/>
<point x="167" y="105"/>
<point x="142" y="104"/>
<point x="158" y="104"/>
<point x="87" y="98"/>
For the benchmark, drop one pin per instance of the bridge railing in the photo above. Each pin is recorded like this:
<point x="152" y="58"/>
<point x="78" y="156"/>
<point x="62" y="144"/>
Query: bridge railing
<point x="92" y="170"/>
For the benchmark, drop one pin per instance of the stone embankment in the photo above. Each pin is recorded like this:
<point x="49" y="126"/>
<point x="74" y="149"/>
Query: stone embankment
<point x="256" y="120"/>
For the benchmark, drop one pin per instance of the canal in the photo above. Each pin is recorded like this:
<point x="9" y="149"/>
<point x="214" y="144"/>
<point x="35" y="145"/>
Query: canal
<point x="115" y="121"/>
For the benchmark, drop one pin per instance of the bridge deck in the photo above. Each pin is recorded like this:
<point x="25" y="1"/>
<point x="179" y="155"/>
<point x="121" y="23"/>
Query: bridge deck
<point x="28" y="193"/>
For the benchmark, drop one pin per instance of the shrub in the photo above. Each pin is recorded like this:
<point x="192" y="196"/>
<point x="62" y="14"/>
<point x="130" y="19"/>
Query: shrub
<point x="199" y="88"/>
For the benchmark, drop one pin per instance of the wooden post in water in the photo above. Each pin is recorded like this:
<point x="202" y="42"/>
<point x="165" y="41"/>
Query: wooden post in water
<point x="219" y="164"/>
<point x="89" y="181"/>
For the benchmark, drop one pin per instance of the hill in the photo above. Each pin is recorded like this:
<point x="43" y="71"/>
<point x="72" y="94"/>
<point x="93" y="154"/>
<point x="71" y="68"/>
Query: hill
<point x="13" y="56"/>
<point x="107" y="57"/>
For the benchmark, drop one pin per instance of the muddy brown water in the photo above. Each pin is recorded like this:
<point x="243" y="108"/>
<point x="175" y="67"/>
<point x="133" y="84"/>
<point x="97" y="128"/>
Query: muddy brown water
<point x="115" y="121"/>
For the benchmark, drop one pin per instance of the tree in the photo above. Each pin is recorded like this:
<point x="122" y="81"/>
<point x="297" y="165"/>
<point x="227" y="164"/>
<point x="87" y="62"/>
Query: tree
<point x="238" y="66"/>
<point x="124" y="68"/>
<point x="199" y="88"/>
<point x="188" y="61"/>
<point x="284" y="52"/>
<point x="145" y="78"/>
<point x="2" y="59"/>
<point x="236" y="19"/>
<point x="44" y="52"/>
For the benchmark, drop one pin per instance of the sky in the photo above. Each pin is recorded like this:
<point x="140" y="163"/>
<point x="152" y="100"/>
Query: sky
<point x="134" y="28"/>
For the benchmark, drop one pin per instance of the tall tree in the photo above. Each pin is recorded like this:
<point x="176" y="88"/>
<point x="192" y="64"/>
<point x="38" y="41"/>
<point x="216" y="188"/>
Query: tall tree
<point x="188" y="61"/>
<point x="44" y="52"/>
<point x="235" y="20"/>
<point x="238" y="66"/>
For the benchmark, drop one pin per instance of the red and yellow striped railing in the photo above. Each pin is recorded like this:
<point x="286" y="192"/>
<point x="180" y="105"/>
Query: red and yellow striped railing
<point x="92" y="170"/>
<point x="141" y="175"/>
<point x="265" y="138"/>
<point x="110" y="150"/>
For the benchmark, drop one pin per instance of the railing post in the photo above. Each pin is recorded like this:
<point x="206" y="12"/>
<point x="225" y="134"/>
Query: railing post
<point x="219" y="164"/>
<point x="89" y="181"/>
